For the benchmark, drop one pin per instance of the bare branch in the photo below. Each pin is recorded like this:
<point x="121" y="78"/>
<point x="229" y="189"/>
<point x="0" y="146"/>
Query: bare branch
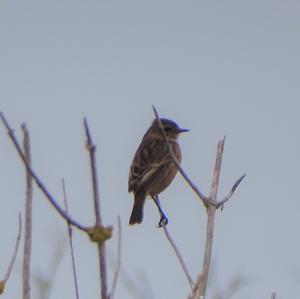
<point x="179" y="256"/>
<point x="201" y="283"/>
<point x="204" y="199"/>
<point x="15" y="252"/>
<point x="228" y="196"/>
<point x="211" y="205"/>
<point x="92" y="150"/>
<point x="70" y="233"/>
<point x="119" y="260"/>
<point x="101" y="246"/>
<point x="28" y="217"/>
<point x="273" y="296"/>
<point x="36" y="178"/>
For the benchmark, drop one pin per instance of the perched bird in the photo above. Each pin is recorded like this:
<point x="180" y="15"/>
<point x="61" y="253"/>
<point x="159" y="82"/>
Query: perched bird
<point x="152" y="169"/>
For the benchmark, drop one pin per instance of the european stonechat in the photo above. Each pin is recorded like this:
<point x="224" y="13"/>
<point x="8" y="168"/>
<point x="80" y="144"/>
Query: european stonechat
<point x="152" y="169"/>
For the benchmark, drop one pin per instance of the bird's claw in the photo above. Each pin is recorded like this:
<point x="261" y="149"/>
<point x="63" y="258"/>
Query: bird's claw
<point x="163" y="221"/>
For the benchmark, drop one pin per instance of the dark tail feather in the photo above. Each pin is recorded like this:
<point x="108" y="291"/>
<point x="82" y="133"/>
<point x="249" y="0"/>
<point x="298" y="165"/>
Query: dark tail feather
<point x="137" y="210"/>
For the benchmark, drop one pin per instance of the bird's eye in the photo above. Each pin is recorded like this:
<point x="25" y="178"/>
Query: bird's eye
<point x="167" y="128"/>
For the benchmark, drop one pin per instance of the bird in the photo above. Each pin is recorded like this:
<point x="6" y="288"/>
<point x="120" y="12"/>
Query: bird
<point x="152" y="169"/>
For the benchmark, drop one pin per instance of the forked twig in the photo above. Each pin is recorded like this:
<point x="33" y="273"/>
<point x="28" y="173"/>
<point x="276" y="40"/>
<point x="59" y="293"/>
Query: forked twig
<point x="211" y="205"/>
<point x="36" y="178"/>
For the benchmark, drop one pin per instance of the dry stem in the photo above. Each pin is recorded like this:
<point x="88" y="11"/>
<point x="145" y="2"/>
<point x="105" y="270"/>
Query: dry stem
<point x="28" y="217"/>
<point x="101" y="246"/>
<point x="201" y="283"/>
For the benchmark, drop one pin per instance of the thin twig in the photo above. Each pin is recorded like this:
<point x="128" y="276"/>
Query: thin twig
<point x="119" y="260"/>
<point x="179" y="256"/>
<point x="228" y="196"/>
<point x="174" y="246"/>
<point x="70" y="233"/>
<point x="10" y="266"/>
<point x="36" y="178"/>
<point x="28" y="217"/>
<point x="273" y="296"/>
<point x="182" y="172"/>
<point x="101" y="246"/>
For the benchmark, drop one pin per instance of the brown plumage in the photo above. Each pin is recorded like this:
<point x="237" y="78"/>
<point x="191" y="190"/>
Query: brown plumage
<point x="152" y="169"/>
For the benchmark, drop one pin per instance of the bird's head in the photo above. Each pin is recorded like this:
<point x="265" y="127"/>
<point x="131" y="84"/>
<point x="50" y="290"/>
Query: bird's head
<point x="171" y="129"/>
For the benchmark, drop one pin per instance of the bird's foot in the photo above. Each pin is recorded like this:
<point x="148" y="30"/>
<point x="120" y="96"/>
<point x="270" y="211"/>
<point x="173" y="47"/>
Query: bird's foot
<point x="163" y="221"/>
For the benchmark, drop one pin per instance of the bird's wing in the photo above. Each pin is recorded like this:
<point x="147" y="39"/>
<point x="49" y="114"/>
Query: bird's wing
<point x="149" y="157"/>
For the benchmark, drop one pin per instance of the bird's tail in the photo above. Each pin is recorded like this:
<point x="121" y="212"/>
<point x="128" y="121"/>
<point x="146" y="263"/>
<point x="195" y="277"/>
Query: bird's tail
<point x="137" y="210"/>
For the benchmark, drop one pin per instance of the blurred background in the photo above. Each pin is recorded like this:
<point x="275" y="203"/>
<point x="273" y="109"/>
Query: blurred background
<point x="218" y="68"/>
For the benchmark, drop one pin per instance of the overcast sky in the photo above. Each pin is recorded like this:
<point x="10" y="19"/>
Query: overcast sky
<point x="216" y="67"/>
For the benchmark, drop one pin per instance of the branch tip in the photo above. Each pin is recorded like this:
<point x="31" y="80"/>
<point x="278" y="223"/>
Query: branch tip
<point x="228" y="196"/>
<point x="238" y="182"/>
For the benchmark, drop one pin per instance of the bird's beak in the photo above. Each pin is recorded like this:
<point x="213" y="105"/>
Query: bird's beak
<point x="180" y="130"/>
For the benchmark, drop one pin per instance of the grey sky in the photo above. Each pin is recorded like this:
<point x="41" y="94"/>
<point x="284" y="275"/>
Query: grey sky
<point x="219" y="68"/>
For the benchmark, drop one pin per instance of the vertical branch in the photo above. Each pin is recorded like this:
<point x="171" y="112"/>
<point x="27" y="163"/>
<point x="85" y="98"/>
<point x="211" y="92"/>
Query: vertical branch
<point x="101" y="246"/>
<point x="201" y="283"/>
<point x="70" y="233"/>
<point x="92" y="150"/>
<point x="28" y="217"/>
<point x="203" y="277"/>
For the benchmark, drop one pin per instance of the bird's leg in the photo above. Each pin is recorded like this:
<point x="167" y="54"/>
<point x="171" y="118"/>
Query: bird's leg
<point x="163" y="219"/>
